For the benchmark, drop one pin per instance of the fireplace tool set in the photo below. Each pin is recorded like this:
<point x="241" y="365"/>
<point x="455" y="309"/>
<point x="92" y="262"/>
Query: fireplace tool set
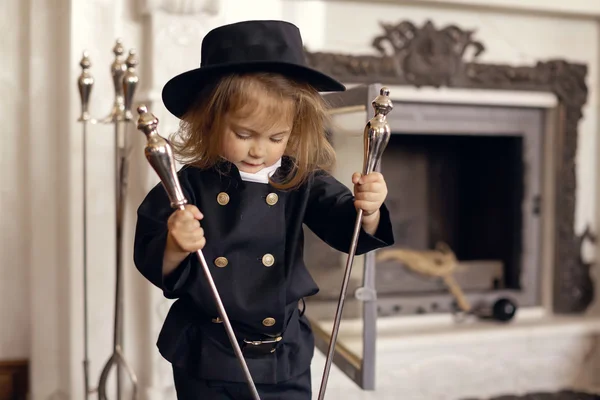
<point x="159" y="154"/>
<point x="125" y="80"/>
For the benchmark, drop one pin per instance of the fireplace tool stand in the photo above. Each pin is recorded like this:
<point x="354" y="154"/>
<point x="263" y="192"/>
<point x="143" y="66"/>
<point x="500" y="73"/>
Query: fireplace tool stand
<point x="125" y="82"/>
<point x="376" y="137"/>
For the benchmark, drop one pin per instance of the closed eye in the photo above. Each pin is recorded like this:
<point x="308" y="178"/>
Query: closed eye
<point x="243" y="136"/>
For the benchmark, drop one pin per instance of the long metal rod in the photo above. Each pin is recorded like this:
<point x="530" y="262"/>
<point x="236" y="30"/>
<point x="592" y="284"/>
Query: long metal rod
<point x="85" y="84"/>
<point x="117" y="359"/>
<point x="160" y="156"/>
<point x="125" y="81"/>
<point x="86" y="361"/>
<point x="376" y="137"/>
<point x="340" y="306"/>
<point x="227" y="323"/>
<point x="119" y="197"/>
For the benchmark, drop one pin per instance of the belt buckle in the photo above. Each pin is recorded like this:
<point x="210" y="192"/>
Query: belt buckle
<point x="261" y="347"/>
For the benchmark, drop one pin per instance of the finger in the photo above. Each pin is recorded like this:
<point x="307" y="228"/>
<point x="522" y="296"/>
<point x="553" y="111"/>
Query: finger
<point x="197" y="242"/>
<point x="188" y="213"/>
<point x="174" y="215"/>
<point x="191" y="246"/>
<point x="190" y="225"/>
<point x="184" y="221"/>
<point x="366" y="206"/>
<point x="182" y="215"/>
<point x="356" y="177"/>
<point x="184" y="230"/>
<point x="189" y="241"/>
<point x="198" y="234"/>
<point x="376" y="187"/>
<point x="368" y="196"/>
<point x="371" y="177"/>
<point x="194" y="210"/>
<point x="175" y="219"/>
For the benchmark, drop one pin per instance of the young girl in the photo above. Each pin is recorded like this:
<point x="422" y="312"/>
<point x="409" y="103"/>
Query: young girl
<point x="253" y="142"/>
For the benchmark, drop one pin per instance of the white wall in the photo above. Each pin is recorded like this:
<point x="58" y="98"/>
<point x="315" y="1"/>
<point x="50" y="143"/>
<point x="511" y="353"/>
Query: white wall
<point x="40" y="263"/>
<point x="40" y="271"/>
<point x="14" y="201"/>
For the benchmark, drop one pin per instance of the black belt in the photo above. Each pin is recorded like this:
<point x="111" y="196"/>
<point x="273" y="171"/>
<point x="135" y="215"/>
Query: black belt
<point x="260" y="347"/>
<point x="256" y="347"/>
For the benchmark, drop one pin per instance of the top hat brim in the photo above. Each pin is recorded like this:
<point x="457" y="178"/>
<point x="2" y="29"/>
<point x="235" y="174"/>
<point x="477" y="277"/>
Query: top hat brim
<point x="181" y="92"/>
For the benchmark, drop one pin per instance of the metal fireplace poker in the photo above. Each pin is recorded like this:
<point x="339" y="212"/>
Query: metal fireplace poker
<point x="376" y="136"/>
<point x="159" y="154"/>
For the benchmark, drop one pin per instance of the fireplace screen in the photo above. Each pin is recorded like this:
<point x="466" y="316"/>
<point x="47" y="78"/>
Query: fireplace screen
<point x="464" y="180"/>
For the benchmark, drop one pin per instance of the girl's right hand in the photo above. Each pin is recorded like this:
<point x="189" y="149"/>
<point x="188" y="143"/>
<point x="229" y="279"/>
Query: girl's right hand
<point x="185" y="233"/>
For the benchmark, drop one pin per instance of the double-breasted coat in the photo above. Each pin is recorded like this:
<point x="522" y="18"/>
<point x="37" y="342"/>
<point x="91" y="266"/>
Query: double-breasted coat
<point x="254" y="248"/>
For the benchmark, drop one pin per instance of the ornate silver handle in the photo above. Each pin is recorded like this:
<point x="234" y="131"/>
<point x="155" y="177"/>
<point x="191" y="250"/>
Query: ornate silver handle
<point x="159" y="154"/>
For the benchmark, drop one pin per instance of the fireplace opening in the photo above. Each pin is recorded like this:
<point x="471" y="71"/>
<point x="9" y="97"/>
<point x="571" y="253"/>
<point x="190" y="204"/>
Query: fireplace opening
<point x="467" y="176"/>
<point x="466" y="191"/>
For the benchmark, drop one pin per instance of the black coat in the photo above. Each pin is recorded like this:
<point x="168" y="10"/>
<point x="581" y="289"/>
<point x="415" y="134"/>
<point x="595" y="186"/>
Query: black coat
<point x="254" y="249"/>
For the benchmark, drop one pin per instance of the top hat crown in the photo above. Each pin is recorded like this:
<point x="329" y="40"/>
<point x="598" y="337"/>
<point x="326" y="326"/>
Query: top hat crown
<point x="249" y="46"/>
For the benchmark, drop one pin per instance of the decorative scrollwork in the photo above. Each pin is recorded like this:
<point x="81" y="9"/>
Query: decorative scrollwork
<point x="427" y="56"/>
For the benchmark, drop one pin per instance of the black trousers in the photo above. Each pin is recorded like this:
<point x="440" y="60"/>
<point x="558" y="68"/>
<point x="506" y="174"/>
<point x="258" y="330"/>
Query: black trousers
<point x="190" y="388"/>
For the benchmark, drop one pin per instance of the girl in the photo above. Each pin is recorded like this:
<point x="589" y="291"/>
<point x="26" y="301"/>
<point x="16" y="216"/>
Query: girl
<point x="253" y="142"/>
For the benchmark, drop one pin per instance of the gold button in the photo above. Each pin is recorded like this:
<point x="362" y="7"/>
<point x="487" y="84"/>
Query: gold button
<point x="217" y="320"/>
<point x="221" y="262"/>
<point x="272" y="199"/>
<point x="223" y="198"/>
<point x="268" y="260"/>
<point x="269" y="321"/>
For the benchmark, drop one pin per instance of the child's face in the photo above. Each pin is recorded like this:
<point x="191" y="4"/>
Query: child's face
<point x="257" y="139"/>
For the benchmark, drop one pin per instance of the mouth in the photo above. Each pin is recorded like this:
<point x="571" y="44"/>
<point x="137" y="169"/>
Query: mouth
<point x="251" y="165"/>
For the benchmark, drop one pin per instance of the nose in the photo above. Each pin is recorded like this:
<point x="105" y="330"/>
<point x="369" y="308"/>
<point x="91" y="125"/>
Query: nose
<point x="257" y="150"/>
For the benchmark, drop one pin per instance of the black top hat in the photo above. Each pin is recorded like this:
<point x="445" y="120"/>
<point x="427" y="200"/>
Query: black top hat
<point x="250" y="46"/>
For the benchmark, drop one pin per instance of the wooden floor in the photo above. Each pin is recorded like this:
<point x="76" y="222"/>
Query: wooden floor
<point x="14" y="380"/>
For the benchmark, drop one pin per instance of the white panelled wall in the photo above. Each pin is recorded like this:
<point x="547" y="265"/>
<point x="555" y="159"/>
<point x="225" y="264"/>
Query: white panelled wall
<point x="40" y="266"/>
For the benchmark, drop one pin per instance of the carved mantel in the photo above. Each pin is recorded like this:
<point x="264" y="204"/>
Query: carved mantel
<point x="429" y="56"/>
<point x="182" y="7"/>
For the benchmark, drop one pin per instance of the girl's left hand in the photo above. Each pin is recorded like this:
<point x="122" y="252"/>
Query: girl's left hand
<point x="370" y="192"/>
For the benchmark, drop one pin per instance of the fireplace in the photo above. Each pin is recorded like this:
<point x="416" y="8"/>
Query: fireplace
<point x="464" y="191"/>
<point x="528" y="117"/>
<point x="466" y="176"/>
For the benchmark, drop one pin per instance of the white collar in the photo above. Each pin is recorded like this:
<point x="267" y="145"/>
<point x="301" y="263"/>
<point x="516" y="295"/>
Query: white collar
<point x="261" y="176"/>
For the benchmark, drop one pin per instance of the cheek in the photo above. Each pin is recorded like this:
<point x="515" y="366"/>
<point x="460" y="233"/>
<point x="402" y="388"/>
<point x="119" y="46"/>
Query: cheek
<point x="276" y="150"/>
<point x="231" y="148"/>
